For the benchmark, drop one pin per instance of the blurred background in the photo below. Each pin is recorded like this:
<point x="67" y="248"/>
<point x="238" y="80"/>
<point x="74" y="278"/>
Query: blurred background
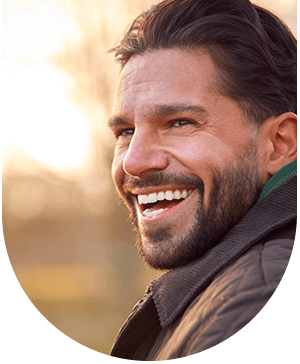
<point x="68" y="238"/>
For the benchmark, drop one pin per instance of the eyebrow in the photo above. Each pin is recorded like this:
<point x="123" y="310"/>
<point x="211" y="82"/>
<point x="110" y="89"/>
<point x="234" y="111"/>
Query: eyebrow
<point x="165" y="110"/>
<point x="160" y="111"/>
<point x="116" y="121"/>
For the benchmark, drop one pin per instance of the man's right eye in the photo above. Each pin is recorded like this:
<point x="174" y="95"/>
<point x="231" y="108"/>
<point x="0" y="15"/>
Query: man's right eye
<point x="125" y="133"/>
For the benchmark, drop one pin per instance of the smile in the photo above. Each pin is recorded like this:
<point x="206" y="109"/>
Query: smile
<point x="158" y="202"/>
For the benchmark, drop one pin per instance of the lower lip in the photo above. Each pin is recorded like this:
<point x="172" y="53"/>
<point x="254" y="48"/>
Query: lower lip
<point x="165" y="213"/>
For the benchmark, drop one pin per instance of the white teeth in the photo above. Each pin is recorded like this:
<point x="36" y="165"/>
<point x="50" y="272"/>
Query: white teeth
<point x="152" y="213"/>
<point x="143" y="199"/>
<point x="160" y="196"/>
<point x="152" y="198"/>
<point x="177" y="195"/>
<point x="184" y="194"/>
<point x="169" y="195"/>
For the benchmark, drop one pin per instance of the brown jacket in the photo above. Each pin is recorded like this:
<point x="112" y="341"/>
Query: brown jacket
<point x="192" y="308"/>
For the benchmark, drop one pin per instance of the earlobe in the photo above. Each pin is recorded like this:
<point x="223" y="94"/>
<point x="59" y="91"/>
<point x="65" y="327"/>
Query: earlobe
<point x="283" y="138"/>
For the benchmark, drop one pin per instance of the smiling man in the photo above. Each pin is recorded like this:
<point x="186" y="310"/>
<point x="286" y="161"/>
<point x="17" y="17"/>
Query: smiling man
<point x="205" y="162"/>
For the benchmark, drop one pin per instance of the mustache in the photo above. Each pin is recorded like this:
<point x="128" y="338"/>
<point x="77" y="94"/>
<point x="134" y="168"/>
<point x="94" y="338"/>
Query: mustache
<point x="160" y="178"/>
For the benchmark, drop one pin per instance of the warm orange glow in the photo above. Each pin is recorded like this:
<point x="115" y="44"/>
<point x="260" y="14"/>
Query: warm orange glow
<point x="67" y="282"/>
<point x="38" y="114"/>
<point x="37" y="109"/>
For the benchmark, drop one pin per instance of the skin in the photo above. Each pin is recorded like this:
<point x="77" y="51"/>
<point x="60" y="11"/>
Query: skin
<point x="174" y="130"/>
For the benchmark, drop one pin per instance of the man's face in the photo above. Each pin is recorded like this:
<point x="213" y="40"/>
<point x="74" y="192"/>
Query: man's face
<point x="185" y="161"/>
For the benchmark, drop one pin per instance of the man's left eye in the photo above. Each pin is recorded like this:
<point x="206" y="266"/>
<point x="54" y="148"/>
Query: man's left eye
<point x="181" y="122"/>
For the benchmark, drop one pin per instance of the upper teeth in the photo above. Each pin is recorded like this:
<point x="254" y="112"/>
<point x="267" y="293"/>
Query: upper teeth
<point x="167" y="195"/>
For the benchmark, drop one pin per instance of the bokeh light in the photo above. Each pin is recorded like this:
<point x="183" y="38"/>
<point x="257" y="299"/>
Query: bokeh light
<point x="37" y="110"/>
<point x="40" y="118"/>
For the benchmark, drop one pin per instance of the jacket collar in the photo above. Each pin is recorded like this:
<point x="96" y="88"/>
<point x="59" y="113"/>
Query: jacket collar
<point x="173" y="291"/>
<point x="279" y="178"/>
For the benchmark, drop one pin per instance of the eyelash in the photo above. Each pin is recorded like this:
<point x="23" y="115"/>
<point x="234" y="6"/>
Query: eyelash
<point x="186" y="122"/>
<point x="120" y="132"/>
<point x="171" y="124"/>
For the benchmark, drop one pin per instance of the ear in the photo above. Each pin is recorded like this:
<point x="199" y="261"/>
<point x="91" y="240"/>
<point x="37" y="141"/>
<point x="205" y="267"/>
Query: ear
<point x="278" y="140"/>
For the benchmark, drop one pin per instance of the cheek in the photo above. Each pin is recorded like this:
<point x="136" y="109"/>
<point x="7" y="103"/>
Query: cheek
<point x="206" y="162"/>
<point x="200" y="156"/>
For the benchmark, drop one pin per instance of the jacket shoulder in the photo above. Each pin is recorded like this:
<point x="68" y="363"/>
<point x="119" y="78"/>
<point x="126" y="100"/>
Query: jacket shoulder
<point x="232" y="299"/>
<point x="237" y="295"/>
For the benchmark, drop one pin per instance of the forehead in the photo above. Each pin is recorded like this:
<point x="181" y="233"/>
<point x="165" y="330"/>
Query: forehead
<point x="165" y="76"/>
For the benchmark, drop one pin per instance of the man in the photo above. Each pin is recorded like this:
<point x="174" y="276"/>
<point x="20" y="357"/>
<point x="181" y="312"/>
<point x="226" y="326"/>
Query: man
<point x="205" y="162"/>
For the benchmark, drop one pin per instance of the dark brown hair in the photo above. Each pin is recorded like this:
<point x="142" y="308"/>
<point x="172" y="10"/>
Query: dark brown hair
<point x="254" y="52"/>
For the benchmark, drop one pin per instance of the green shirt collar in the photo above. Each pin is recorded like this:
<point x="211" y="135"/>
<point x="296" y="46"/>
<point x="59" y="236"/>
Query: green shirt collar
<point x="279" y="178"/>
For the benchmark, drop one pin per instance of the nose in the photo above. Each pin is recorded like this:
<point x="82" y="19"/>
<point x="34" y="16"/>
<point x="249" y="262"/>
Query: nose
<point x="145" y="153"/>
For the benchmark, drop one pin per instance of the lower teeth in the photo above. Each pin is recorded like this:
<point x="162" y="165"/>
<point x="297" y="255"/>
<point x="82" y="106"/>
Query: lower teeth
<point x="152" y="213"/>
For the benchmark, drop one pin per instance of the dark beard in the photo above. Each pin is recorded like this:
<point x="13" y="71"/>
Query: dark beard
<point x="234" y="191"/>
